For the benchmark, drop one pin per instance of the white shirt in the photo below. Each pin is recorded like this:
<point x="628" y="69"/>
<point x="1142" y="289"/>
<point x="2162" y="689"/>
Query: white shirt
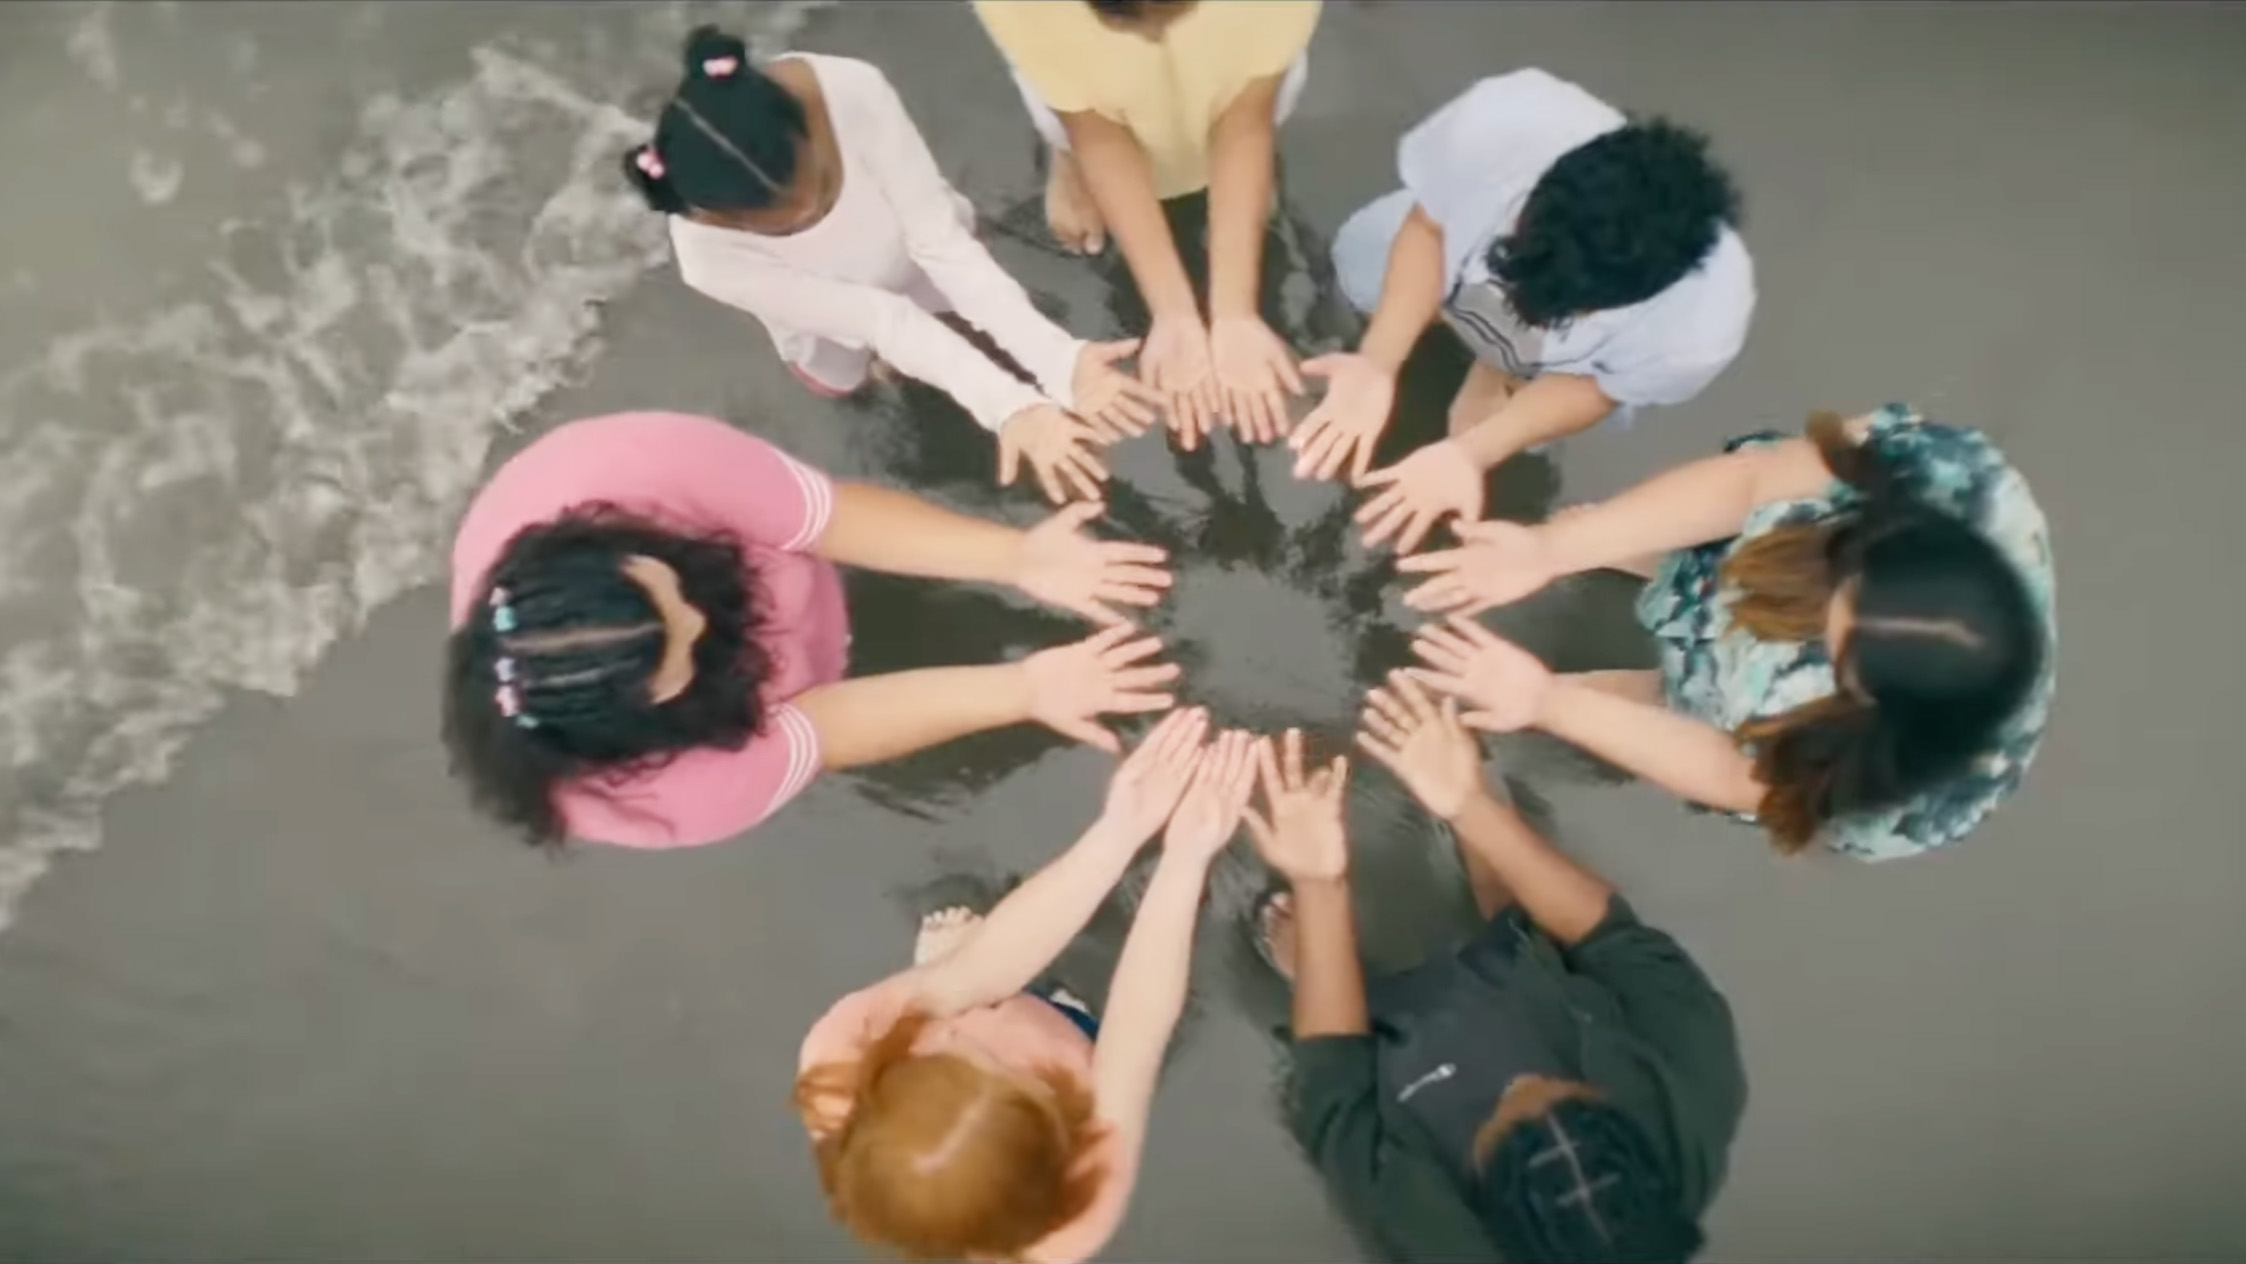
<point x="844" y="279"/>
<point x="1471" y="167"/>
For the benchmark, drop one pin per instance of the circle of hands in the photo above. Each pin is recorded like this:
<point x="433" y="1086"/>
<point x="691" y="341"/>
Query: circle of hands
<point x="1234" y="371"/>
<point x="1197" y="788"/>
<point x="1195" y="377"/>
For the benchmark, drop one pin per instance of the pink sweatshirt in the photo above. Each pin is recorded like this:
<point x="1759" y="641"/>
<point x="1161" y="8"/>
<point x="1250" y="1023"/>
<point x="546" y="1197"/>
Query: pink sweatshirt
<point x="864" y="278"/>
<point x="698" y="475"/>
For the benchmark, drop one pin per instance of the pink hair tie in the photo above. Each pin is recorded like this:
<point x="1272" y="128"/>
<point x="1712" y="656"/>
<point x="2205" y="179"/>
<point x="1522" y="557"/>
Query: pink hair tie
<point x="650" y="162"/>
<point x="720" y="67"/>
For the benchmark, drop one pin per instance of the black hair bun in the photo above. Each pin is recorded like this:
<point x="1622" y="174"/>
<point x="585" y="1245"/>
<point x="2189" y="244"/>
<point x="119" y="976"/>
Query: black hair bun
<point x="706" y="45"/>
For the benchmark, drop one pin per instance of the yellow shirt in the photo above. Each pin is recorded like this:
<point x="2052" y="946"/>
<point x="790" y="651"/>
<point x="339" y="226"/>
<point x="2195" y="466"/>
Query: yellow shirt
<point x="1170" y="91"/>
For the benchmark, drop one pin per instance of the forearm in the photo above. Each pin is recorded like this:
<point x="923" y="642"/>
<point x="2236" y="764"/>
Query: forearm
<point x="1329" y="979"/>
<point x="874" y="719"/>
<point x="1562" y="897"/>
<point x="1243" y="147"/>
<point x="1685" y="756"/>
<point x="1122" y="185"/>
<point x="1147" y="993"/>
<point x="1019" y="938"/>
<point x="1411" y="293"/>
<point x="1692" y="504"/>
<point x="883" y="529"/>
<point x="1552" y="406"/>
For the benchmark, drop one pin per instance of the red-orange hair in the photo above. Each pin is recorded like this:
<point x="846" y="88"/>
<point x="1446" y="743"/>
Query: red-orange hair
<point x="939" y="1157"/>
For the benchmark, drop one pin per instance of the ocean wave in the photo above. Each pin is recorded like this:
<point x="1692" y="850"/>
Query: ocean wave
<point x="207" y="496"/>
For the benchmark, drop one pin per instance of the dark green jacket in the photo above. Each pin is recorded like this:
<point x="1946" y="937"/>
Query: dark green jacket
<point x="1652" y="1034"/>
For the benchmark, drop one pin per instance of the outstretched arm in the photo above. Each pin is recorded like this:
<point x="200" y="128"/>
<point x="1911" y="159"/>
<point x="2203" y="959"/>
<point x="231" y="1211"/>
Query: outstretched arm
<point x="874" y="719"/>
<point x="882" y="529"/>
<point x="1550" y="407"/>
<point x="1121" y="181"/>
<point x="1562" y="897"/>
<point x="1242" y="153"/>
<point x="1692" y="504"/>
<point x="1687" y="757"/>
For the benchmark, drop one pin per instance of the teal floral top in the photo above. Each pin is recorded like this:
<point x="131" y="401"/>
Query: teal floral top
<point x="1724" y="676"/>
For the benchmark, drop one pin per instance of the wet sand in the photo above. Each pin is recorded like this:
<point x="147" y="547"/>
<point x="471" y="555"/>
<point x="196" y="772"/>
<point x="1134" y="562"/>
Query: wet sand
<point x="301" y="1004"/>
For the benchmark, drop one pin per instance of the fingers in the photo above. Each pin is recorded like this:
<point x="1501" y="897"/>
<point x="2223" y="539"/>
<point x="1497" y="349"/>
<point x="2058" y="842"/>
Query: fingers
<point x="1442" y="595"/>
<point x="1139" y="679"/>
<point x="1441" y="649"/>
<point x="1115" y="654"/>
<point x="1176" y="733"/>
<point x="1445" y="683"/>
<point x="1387" y="517"/>
<point x="1439" y="560"/>
<point x="1376" y="723"/>
<point x="1110" y="352"/>
<point x="1448" y="716"/>
<point x="1118" y="553"/>
<point x="1291" y="768"/>
<point x="1239" y="769"/>
<point x="1418" y="703"/>
<point x="1009" y="460"/>
<point x="1283" y="366"/>
<point x="1099" y="643"/>
<point x="1129" y="594"/>
<point x="1335" y="778"/>
<point x="1127" y="415"/>
<point x="1474" y="633"/>
<point x="1360" y="469"/>
<point x="1073" y="517"/>
<point x="1314" y="442"/>
<point x="1324" y="366"/>
<point x="1267" y="763"/>
<point x="1139" y="703"/>
<point x="1415" y="533"/>
<point x="1383" y="751"/>
<point x="1082" y="472"/>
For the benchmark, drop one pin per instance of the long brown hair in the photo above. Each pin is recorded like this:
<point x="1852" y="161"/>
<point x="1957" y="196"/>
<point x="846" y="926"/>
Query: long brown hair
<point x="1945" y="647"/>
<point x="938" y="1157"/>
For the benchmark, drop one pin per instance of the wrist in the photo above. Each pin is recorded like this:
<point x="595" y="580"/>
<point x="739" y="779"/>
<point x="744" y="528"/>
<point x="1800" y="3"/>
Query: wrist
<point x="1316" y="886"/>
<point x="1485" y="445"/>
<point x="1015" y="688"/>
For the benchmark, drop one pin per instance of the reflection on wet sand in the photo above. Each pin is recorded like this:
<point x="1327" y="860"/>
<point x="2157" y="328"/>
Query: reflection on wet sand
<point x="1279" y="617"/>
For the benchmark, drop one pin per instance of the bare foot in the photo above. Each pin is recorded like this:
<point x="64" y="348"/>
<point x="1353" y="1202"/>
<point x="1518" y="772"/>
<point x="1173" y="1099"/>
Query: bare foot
<point x="942" y="932"/>
<point x="1275" y="934"/>
<point x="1070" y="212"/>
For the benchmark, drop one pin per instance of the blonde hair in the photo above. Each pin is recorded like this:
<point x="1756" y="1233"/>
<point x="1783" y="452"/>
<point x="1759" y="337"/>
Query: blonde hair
<point x="937" y="1156"/>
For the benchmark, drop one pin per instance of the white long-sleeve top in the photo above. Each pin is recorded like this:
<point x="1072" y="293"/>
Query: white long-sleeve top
<point x="894" y="228"/>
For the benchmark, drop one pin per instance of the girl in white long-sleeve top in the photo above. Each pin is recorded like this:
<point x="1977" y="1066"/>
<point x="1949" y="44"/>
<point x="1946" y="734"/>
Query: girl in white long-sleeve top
<point x="801" y="193"/>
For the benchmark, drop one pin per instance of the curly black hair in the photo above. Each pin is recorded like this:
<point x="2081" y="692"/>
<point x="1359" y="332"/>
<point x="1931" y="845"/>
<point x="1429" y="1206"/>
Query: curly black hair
<point x="1615" y="221"/>
<point x="558" y="689"/>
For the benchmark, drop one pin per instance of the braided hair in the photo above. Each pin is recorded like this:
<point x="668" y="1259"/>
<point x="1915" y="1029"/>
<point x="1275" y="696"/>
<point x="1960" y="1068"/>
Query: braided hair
<point x="729" y="138"/>
<point x="1580" y="1184"/>
<point x="550" y="681"/>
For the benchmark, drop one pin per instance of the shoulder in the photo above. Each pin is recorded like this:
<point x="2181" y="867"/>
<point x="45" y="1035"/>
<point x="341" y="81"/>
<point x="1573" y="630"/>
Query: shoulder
<point x="1276" y="26"/>
<point x="1705" y="315"/>
<point x="567" y="466"/>
<point x="1530" y="100"/>
<point x="1029" y="27"/>
<point x="846" y="81"/>
<point x="702" y="796"/>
